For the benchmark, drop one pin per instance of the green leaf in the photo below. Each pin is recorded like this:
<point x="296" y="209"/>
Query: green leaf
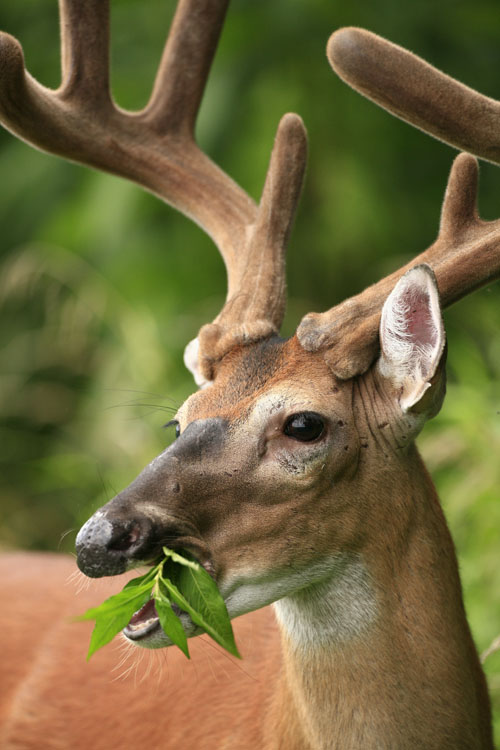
<point x="170" y="623"/>
<point x="201" y="599"/>
<point x="116" y="603"/>
<point x="175" y="579"/>
<point x="149" y="576"/>
<point x="110" y="620"/>
<point x="175" y="557"/>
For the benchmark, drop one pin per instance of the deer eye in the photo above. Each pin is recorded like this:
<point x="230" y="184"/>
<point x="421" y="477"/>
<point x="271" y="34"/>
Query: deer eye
<point x="172" y="423"/>
<point x="305" y="426"/>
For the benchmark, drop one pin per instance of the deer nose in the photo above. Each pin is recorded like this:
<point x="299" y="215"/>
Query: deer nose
<point x="105" y="546"/>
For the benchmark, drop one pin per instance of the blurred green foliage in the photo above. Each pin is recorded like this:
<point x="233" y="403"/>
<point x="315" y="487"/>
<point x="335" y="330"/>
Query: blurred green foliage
<point x="102" y="286"/>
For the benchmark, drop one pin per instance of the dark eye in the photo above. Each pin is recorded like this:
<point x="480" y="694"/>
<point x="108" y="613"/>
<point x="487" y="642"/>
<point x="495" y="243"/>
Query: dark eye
<point x="172" y="423"/>
<point x="305" y="426"/>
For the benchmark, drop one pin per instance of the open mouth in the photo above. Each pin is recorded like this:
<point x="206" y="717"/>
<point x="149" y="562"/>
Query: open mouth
<point x="144" y="622"/>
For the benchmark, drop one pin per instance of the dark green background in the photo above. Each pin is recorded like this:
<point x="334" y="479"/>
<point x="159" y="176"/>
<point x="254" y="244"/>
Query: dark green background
<point x="102" y="286"/>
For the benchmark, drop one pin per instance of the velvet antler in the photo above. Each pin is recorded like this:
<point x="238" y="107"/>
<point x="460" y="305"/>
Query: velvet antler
<point x="156" y="148"/>
<point x="466" y="254"/>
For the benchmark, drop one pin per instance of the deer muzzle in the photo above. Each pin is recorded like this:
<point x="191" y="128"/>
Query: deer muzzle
<point x="107" y="545"/>
<point x="158" y="509"/>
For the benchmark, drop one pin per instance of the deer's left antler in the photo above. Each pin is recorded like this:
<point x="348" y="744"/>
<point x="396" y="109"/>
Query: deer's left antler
<point x="466" y="254"/>
<point x="156" y="148"/>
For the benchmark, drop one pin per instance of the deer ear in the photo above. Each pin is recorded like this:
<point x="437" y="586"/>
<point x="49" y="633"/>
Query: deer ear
<point x="192" y="363"/>
<point x="412" y="341"/>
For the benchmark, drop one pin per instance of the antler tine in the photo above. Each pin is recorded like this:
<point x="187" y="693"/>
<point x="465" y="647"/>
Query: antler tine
<point x="272" y="227"/>
<point x="79" y="121"/>
<point x="465" y="256"/>
<point x="415" y="91"/>
<point x="68" y="121"/>
<point x="257" y="308"/>
<point x="85" y="52"/>
<point x="156" y="148"/>
<point x="185" y="65"/>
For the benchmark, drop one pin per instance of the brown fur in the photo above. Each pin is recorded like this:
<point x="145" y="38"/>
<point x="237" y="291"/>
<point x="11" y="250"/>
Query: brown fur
<point x="53" y="699"/>
<point x="398" y="669"/>
<point x="412" y="679"/>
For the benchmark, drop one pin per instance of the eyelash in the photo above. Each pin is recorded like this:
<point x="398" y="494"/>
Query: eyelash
<point x="172" y="423"/>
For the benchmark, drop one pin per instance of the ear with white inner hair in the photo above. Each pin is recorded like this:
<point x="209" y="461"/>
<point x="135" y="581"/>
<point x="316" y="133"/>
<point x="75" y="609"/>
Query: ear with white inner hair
<point x="412" y="337"/>
<point x="192" y="363"/>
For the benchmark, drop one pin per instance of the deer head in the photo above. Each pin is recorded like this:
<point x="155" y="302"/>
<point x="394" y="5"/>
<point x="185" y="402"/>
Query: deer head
<point x="292" y="450"/>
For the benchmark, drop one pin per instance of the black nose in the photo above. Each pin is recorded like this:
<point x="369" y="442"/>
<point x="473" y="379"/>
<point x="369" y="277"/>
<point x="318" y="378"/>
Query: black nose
<point x="105" y="546"/>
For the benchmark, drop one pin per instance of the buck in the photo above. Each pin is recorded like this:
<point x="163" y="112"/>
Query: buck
<point x="295" y="479"/>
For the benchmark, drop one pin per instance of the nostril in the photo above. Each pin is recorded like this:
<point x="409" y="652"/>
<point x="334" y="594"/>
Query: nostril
<point x="106" y="545"/>
<point x="123" y="539"/>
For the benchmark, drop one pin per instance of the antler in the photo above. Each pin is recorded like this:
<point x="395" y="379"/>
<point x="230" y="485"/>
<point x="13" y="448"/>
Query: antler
<point x="466" y="254"/>
<point x="156" y="148"/>
<point x="415" y="91"/>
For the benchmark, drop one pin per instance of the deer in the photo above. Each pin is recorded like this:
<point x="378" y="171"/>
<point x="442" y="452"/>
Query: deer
<point x="294" y="478"/>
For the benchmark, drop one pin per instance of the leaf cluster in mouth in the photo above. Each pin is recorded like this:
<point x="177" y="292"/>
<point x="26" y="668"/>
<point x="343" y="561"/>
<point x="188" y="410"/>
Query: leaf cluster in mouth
<point x="175" y="580"/>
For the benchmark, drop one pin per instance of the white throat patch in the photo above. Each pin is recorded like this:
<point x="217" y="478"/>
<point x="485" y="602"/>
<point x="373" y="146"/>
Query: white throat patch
<point x="335" y="610"/>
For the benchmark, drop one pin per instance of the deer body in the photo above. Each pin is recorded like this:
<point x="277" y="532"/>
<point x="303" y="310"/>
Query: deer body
<point x="375" y="651"/>
<point x="410" y="671"/>
<point x="378" y="688"/>
<point x="294" y="479"/>
<point x="48" y="702"/>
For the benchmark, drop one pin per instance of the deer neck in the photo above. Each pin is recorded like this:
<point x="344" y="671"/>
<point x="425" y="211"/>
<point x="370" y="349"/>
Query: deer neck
<point x="380" y="654"/>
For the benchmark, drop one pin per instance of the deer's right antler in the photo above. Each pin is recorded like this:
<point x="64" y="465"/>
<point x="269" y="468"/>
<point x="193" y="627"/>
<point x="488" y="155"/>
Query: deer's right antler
<point x="410" y="88"/>
<point x="156" y="149"/>
<point x="466" y="254"/>
<point x="464" y="257"/>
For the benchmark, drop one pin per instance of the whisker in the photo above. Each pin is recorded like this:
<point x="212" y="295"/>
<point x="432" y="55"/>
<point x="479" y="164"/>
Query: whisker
<point x="103" y="483"/>
<point x="210" y="660"/>
<point x="162" y="662"/>
<point x="222" y="652"/>
<point x="222" y="667"/>
<point x="64" y="535"/>
<point x="123" y="675"/>
<point x="126" y="653"/>
<point x="152" y="410"/>
<point x="129" y="652"/>
<point x="159" y="407"/>
<point x="78" y="580"/>
<point x="143" y="394"/>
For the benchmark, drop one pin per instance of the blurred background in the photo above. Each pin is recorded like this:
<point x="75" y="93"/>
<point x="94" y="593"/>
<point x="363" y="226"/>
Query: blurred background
<point x="102" y="285"/>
